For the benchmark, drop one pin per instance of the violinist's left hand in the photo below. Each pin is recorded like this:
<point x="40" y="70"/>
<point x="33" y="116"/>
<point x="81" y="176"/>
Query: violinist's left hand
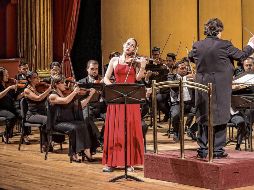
<point x="143" y="62"/>
<point x="92" y="91"/>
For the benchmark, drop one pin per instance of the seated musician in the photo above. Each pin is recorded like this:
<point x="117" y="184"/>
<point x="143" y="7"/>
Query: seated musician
<point x="96" y="109"/>
<point x="36" y="105"/>
<point x="181" y="72"/>
<point x="162" y="97"/>
<point x="67" y="110"/>
<point x="247" y="66"/>
<point x="111" y="55"/>
<point x="55" y="69"/>
<point x="239" y="120"/>
<point x="7" y="109"/>
<point x="170" y="62"/>
<point x="242" y="118"/>
<point x="21" y="79"/>
<point x="22" y="71"/>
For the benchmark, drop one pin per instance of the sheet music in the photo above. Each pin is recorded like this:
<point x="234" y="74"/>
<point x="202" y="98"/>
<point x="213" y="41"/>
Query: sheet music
<point x="247" y="79"/>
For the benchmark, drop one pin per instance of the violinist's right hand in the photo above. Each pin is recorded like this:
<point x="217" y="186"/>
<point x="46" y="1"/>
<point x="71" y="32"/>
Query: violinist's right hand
<point x="76" y="89"/>
<point x="12" y="87"/>
<point x="251" y="40"/>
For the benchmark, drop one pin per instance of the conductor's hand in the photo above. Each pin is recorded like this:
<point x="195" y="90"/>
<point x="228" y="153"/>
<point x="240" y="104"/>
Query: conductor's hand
<point x="252" y="39"/>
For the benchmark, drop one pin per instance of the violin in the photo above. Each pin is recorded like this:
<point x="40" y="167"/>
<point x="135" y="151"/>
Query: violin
<point x="42" y="87"/>
<point x="69" y="90"/>
<point x="20" y="83"/>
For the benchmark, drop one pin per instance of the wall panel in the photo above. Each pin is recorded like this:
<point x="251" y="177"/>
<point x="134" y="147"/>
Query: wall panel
<point x="122" y="19"/>
<point x="247" y="19"/>
<point x="178" y="17"/>
<point x="229" y="11"/>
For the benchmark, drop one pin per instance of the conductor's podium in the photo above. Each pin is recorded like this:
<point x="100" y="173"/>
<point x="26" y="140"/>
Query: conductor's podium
<point x="237" y="170"/>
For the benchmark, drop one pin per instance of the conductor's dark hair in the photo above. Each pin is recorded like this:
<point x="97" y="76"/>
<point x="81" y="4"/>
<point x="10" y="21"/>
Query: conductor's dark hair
<point x="213" y="27"/>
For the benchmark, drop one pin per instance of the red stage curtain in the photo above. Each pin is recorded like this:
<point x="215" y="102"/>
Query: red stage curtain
<point x="65" y="22"/>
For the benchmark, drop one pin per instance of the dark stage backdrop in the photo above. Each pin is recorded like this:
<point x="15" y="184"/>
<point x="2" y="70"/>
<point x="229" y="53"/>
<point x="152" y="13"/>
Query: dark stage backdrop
<point x="87" y="43"/>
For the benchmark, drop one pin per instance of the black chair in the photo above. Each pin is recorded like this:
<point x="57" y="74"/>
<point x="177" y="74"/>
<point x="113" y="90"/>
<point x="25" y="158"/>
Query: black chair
<point x="24" y="123"/>
<point x="51" y="115"/>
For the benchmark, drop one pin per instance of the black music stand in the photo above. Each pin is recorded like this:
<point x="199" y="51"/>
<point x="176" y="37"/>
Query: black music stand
<point x="125" y="94"/>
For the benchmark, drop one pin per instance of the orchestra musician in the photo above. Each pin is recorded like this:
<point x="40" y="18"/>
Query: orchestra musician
<point x="96" y="109"/>
<point x="113" y="152"/>
<point x="36" y="105"/>
<point x="181" y="72"/>
<point x="242" y="118"/>
<point x="213" y="58"/>
<point x="163" y="96"/>
<point x="7" y="109"/>
<point x="55" y="69"/>
<point x="68" y="119"/>
<point x="22" y="71"/>
<point x="170" y="61"/>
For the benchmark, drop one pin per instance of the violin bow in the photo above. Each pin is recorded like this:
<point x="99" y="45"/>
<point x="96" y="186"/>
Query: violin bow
<point x="165" y="44"/>
<point x="248" y="31"/>
<point x="178" y="49"/>
<point x="33" y="58"/>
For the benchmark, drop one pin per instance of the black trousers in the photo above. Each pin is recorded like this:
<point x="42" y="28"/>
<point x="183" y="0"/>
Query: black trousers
<point x="242" y="127"/>
<point x="163" y="103"/>
<point x="220" y="132"/>
<point x="38" y="119"/>
<point x="11" y="119"/>
<point x="175" y="115"/>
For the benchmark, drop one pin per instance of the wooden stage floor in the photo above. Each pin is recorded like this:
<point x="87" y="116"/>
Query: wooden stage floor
<point x="27" y="169"/>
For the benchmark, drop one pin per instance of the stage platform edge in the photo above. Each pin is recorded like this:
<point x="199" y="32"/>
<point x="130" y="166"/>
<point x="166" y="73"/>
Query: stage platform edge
<point x="237" y="170"/>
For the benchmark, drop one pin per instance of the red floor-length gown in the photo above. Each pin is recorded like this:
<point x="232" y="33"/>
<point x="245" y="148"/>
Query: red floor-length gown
<point x="113" y="152"/>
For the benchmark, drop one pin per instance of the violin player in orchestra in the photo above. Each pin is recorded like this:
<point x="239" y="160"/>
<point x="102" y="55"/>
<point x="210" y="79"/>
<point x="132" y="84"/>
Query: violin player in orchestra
<point x="55" y="69"/>
<point x="214" y="57"/>
<point x="163" y="71"/>
<point x="67" y="109"/>
<point x="189" y="104"/>
<point x="170" y="61"/>
<point x="8" y="95"/>
<point x="36" y="102"/>
<point x="23" y="68"/>
<point x="125" y="71"/>
<point x="96" y="109"/>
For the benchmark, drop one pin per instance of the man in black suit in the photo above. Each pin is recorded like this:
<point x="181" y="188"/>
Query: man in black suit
<point x="181" y="72"/>
<point x="214" y="64"/>
<point x="99" y="108"/>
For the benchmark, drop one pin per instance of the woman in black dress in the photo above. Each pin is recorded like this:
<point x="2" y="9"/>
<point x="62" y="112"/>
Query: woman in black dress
<point x="69" y="119"/>
<point x="7" y="109"/>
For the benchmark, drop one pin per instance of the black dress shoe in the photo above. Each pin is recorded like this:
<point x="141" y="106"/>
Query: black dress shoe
<point x="191" y="134"/>
<point x="202" y="156"/>
<point x="165" y="119"/>
<point x="219" y="156"/>
<point x="176" y="138"/>
<point x="237" y="147"/>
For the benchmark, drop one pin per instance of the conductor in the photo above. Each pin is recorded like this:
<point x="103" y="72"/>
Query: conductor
<point x="214" y="57"/>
